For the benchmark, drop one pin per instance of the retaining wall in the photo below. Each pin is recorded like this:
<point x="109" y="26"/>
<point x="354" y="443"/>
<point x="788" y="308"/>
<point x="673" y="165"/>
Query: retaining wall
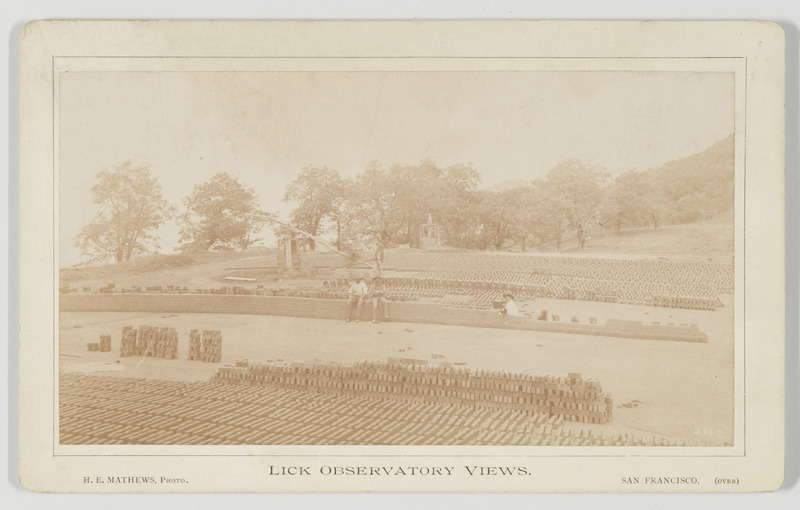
<point x="334" y="309"/>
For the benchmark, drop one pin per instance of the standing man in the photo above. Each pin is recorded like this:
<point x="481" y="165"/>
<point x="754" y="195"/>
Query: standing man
<point x="357" y="293"/>
<point x="378" y="295"/>
<point x="379" y="254"/>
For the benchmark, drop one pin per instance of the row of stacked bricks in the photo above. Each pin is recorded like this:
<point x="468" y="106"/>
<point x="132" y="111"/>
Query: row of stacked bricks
<point x="149" y="341"/>
<point x="570" y="398"/>
<point x="206" y="347"/>
<point x="103" y="346"/>
<point x="636" y="329"/>
<point x="686" y="302"/>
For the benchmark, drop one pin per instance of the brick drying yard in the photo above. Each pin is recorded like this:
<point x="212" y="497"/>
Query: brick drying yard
<point x="665" y="392"/>
<point x="634" y="350"/>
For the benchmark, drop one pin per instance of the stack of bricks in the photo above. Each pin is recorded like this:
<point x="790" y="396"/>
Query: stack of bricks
<point x="151" y="336"/>
<point x="167" y="344"/>
<point x="636" y="329"/>
<point x="570" y="398"/>
<point x="211" y="346"/>
<point x="194" y="345"/>
<point x="145" y="340"/>
<point x="129" y="342"/>
<point x="103" y="346"/>
<point x="686" y="302"/>
<point x="149" y="341"/>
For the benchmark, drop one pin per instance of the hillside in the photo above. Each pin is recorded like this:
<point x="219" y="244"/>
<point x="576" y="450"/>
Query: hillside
<point x="697" y="187"/>
<point x="712" y="238"/>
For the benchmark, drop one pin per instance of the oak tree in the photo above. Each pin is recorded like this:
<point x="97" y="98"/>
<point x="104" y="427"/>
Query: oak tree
<point x="130" y="212"/>
<point x="221" y="214"/>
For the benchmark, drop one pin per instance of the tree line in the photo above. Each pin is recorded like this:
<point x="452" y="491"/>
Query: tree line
<point x="389" y="204"/>
<point x="573" y="202"/>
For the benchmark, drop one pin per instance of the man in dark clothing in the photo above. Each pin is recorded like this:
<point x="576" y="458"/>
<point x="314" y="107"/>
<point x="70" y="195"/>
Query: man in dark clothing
<point x="378" y="295"/>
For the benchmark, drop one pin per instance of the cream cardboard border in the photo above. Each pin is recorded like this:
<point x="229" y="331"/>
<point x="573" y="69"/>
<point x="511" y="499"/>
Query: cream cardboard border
<point x="753" y="50"/>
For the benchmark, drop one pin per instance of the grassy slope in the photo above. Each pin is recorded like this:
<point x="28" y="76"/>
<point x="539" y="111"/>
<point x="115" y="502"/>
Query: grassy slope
<point x="194" y="269"/>
<point x="713" y="238"/>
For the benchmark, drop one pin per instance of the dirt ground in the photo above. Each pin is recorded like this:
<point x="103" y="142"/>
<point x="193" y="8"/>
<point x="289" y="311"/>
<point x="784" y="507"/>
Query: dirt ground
<point x="684" y="390"/>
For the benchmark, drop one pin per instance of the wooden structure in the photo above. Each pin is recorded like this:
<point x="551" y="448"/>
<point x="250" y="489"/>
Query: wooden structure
<point x="429" y="236"/>
<point x="292" y="252"/>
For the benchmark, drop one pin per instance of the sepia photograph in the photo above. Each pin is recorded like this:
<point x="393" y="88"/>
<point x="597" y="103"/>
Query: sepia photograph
<point x="538" y="258"/>
<point x="479" y="262"/>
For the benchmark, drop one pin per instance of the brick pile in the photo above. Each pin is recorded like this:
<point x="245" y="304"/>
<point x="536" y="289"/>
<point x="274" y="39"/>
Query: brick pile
<point x="206" y="346"/>
<point x="107" y="288"/>
<point x="673" y="332"/>
<point x="104" y="345"/>
<point x="195" y="345"/>
<point x="149" y="341"/>
<point x="211" y="346"/>
<point x="158" y="342"/>
<point x="570" y="398"/>
<point x="686" y="302"/>
<point x="128" y="344"/>
<point x="119" y="410"/>
<point x="167" y="344"/>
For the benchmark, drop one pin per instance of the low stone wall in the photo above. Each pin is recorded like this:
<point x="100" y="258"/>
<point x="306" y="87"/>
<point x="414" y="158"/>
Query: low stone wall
<point x="335" y="309"/>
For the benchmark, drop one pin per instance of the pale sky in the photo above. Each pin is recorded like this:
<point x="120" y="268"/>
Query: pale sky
<point x="264" y="127"/>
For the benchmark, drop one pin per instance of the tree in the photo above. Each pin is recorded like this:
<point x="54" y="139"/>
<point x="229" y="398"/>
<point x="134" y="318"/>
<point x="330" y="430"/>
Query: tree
<point x="217" y="215"/>
<point x="498" y="213"/>
<point x="530" y="223"/>
<point x="376" y="197"/>
<point x="627" y="200"/>
<point x="578" y="190"/>
<point x="421" y="191"/>
<point x="460" y="206"/>
<point x="131" y="210"/>
<point x="319" y="193"/>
